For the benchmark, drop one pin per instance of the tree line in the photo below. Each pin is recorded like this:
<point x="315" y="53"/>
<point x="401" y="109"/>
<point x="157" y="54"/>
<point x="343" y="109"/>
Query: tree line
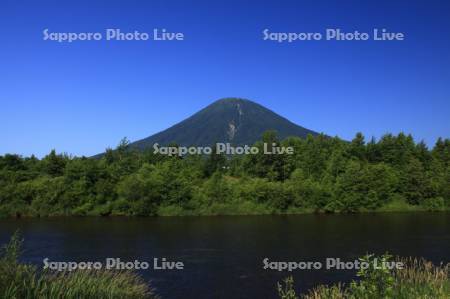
<point x="322" y="175"/>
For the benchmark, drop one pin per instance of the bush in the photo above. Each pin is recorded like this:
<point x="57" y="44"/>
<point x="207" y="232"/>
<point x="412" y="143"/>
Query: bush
<point x="419" y="279"/>
<point x="434" y="204"/>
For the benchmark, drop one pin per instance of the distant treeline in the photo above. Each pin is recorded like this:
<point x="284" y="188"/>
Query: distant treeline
<point x="323" y="175"/>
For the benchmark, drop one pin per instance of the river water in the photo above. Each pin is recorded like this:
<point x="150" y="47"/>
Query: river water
<point x="223" y="256"/>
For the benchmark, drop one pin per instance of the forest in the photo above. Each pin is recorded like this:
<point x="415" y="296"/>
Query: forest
<point x="323" y="175"/>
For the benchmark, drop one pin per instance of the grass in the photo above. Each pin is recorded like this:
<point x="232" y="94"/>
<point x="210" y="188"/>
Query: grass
<point x="251" y="208"/>
<point x="399" y="205"/>
<point x="419" y="279"/>
<point x="22" y="281"/>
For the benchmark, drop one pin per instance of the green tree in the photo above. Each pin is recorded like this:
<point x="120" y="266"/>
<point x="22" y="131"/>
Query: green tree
<point x="414" y="184"/>
<point x="215" y="162"/>
<point x="357" y="148"/>
<point x="54" y="164"/>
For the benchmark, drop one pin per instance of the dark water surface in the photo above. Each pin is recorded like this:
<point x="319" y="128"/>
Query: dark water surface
<point x="223" y="255"/>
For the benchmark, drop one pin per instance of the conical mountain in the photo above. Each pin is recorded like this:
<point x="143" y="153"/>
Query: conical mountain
<point x="233" y="120"/>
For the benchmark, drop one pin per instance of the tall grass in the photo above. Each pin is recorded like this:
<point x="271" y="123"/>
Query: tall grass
<point x="419" y="279"/>
<point x="22" y="281"/>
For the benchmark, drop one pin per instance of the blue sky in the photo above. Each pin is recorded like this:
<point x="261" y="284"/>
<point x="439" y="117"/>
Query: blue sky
<point x="82" y="97"/>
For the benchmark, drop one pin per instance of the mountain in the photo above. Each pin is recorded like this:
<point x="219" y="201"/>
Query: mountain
<point x="233" y="120"/>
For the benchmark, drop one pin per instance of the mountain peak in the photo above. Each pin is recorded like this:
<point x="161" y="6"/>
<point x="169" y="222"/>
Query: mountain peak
<point x="232" y="101"/>
<point x="234" y="120"/>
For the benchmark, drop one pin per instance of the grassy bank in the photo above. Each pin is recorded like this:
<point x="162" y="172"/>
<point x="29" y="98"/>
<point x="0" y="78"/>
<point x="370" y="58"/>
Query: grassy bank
<point x="22" y="281"/>
<point x="235" y="208"/>
<point x="251" y="208"/>
<point x="419" y="279"/>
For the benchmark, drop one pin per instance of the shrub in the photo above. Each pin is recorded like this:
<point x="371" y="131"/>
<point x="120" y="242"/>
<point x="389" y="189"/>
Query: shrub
<point x="434" y="203"/>
<point x="418" y="279"/>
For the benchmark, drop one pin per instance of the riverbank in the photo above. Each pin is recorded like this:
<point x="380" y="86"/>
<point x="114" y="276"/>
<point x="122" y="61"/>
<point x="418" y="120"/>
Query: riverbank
<point x="240" y="209"/>
<point x="250" y="208"/>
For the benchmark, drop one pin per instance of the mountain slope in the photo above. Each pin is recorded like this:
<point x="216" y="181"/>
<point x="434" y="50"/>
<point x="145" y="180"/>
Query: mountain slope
<point x="232" y="120"/>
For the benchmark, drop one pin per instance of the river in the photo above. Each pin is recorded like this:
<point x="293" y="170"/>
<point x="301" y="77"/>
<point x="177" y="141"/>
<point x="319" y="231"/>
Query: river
<point x="223" y="256"/>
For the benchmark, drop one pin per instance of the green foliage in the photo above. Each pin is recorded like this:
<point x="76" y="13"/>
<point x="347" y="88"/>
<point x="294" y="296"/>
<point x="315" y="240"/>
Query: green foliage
<point x="377" y="281"/>
<point x="434" y="204"/>
<point x="26" y="282"/>
<point x="323" y="175"/>
<point x="418" y="279"/>
<point x="54" y="164"/>
<point x="215" y="162"/>
<point x="286" y="289"/>
<point x="364" y="186"/>
<point x="216" y="189"/>
<point x="414" y="184"/>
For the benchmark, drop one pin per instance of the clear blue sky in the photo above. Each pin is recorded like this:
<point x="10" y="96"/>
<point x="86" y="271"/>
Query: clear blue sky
<point x="82" y="97"/>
